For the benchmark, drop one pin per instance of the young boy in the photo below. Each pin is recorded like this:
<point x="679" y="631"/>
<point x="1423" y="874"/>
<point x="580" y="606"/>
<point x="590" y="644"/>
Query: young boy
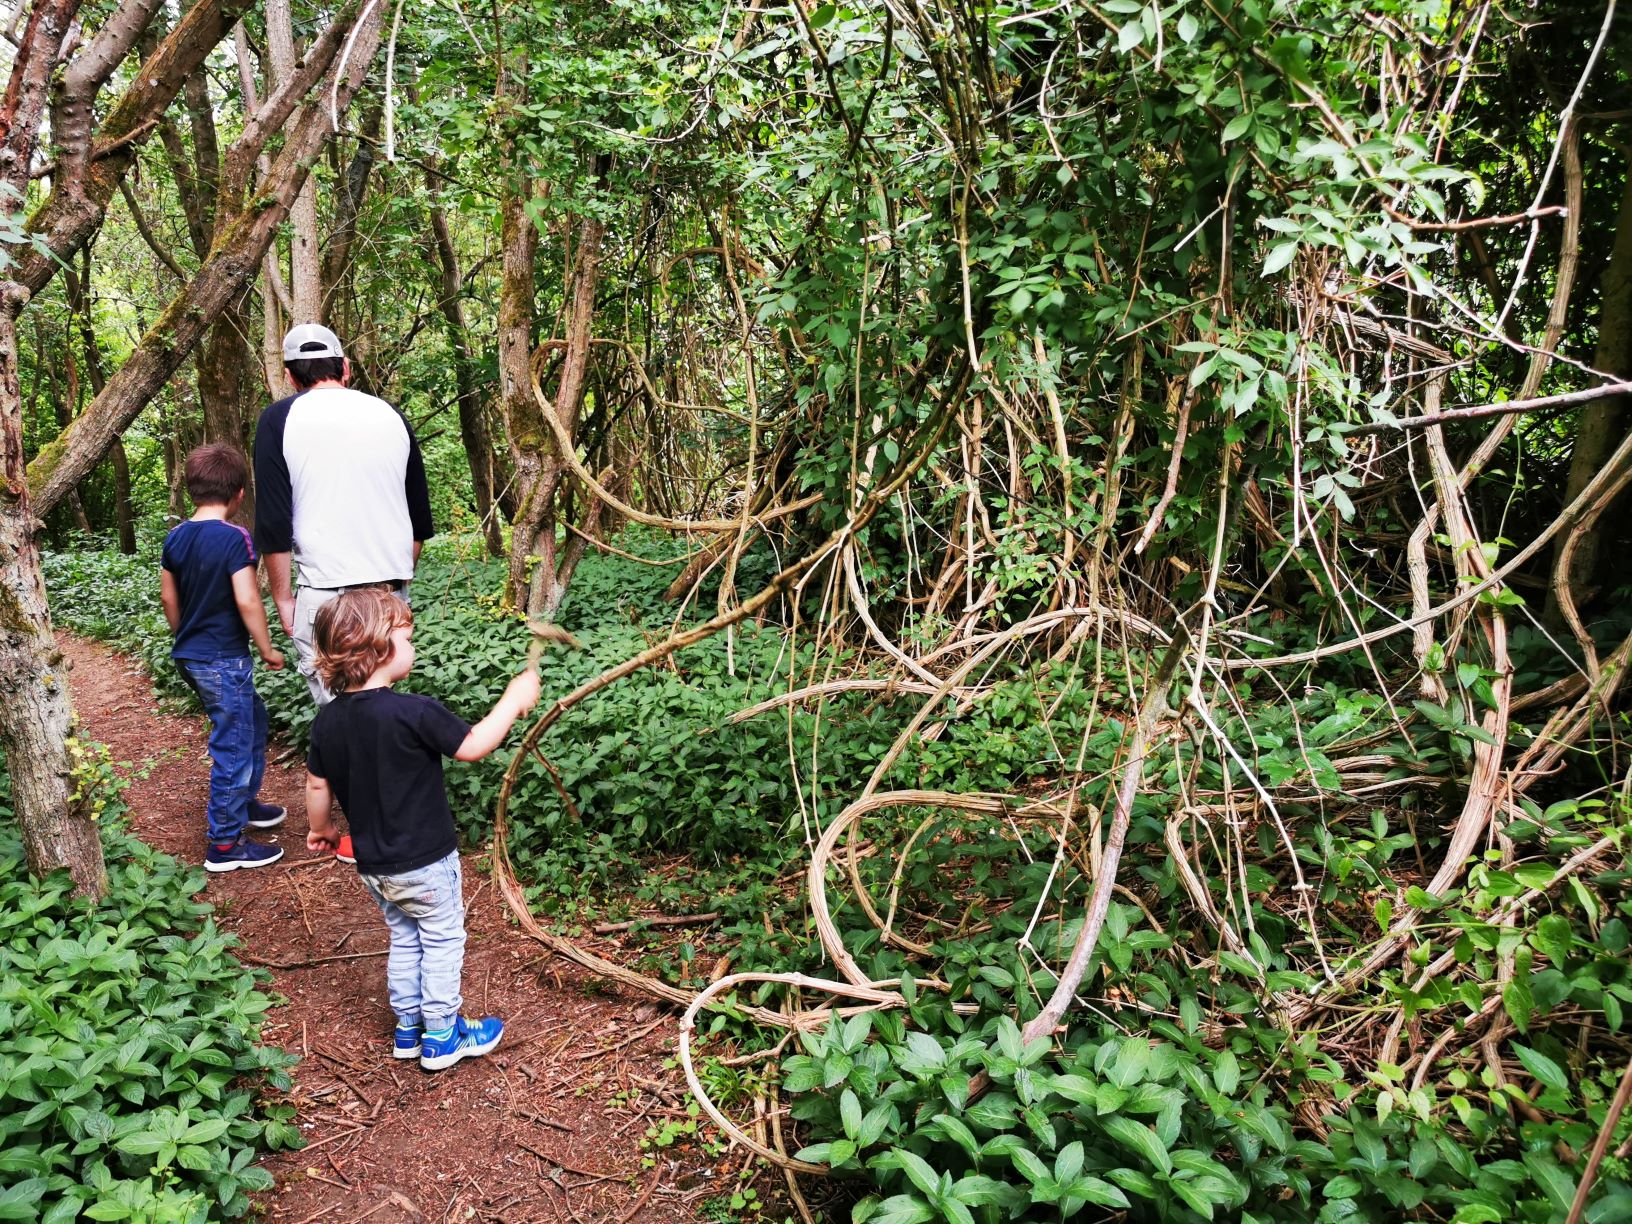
<point x="380" y="753"/>
<point x="214" y="608"/>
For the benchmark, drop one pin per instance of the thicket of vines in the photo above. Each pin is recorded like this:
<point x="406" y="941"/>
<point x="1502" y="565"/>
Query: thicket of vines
<point x="1192" y="439"/>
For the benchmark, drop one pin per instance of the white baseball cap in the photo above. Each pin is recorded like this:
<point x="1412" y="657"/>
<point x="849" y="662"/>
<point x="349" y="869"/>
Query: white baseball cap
<point x="308" y="340"/>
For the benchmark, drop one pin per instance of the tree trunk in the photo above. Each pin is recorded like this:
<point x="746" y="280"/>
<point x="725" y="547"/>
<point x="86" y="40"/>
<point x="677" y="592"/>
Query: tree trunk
<point x="472" y="420"/>
<point x="338" y="265"/>
<point x="79" y="305"/>
<point x="237" y="252"/>
<point x="1603" y="422"/>
<point x="554" y="571"/>
<point x="36" y="716"/>
<point x="528" y="434"/>
<point x="78" y="202"/>
<point x="305" y="272"/>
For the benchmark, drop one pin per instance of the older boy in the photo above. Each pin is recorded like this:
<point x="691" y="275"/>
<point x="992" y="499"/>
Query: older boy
<point x="214" y="608"/>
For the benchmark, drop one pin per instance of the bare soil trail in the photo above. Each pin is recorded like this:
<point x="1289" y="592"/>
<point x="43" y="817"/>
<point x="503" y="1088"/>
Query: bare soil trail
<point x="547" y="1128"/>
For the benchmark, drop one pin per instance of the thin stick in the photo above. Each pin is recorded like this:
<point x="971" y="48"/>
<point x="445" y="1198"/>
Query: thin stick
<point x="1540" y="403"/>
<point x="657" y="1176"/>
<point x="1605" y="1133"/>
<point x="661" y="920"/>
<point x="307" y="964"/>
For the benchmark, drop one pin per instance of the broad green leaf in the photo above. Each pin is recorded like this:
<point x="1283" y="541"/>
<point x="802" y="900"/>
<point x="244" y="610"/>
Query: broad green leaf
<point x="1543" y="1068"/>
<point x="1140" y="1139"/>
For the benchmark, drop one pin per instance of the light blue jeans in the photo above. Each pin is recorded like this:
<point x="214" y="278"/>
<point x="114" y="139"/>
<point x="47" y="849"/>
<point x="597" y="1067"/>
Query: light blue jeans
<point x="425" y="910"/>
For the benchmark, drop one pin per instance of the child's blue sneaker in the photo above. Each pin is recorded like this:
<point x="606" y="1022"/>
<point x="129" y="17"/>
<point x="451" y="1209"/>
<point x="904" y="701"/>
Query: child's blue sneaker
<point x="265" y="815"/>
<point x="465" y="1039"/>
<point x="240" y="854"/>
<point x="405" y="1041"/>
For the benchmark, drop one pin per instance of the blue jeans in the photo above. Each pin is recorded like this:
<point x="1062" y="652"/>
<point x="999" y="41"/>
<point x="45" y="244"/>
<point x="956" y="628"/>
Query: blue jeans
<point x="237" y="739"/>
<point x="425" y="910"/>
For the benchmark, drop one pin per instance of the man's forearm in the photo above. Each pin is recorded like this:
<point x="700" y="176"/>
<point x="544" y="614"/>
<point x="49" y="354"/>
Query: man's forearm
<point x="278" y="576"/>
<point x="419" y="546"/>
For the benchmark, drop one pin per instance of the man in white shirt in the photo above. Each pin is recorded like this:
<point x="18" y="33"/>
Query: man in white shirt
<point x="339" y="488"/>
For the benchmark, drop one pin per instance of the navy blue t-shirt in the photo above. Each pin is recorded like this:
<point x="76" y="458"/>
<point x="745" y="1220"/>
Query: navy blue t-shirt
<point x="203" y="556"/>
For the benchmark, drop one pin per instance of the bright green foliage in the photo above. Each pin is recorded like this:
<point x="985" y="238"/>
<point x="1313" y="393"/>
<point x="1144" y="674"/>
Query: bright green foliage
<point x="129" y="1055"/>
<point x="1179" y="1125"/>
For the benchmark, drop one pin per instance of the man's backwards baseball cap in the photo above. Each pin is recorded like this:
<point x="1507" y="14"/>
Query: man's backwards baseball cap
<point x="308" y="340"/>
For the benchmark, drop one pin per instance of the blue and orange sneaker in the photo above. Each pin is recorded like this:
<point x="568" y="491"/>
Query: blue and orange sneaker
<point x="405" y="1041"/>
<point x="240" y="853"/>
<point x="463" y="1039"/>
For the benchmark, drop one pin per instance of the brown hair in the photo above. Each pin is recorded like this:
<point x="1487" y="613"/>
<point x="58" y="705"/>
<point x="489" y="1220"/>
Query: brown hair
<point x="215" y="474"/>
<point x="353" y="635"/>
<point x="307" y="372"/>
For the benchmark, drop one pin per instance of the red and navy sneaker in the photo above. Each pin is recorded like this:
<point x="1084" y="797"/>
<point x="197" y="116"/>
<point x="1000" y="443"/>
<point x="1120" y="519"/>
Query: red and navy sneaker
<point x="240" y="853"/>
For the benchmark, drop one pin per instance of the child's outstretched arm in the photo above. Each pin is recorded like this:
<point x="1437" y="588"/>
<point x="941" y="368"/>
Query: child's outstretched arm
<point x="519" y="696"/>
<point x="248" y="598"/>
<point x="323" y="834"/>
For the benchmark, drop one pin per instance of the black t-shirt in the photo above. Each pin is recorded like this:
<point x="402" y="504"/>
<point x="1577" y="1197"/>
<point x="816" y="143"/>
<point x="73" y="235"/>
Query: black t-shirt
<point x="203" y="555"/>
<point x="381" y="752"/>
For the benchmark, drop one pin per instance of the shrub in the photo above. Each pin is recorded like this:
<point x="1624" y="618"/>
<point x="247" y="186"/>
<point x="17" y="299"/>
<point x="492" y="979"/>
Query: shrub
<point x="129" y="1062"/>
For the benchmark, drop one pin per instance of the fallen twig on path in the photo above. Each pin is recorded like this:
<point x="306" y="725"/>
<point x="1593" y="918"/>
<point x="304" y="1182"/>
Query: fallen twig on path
<point x="307" y="964"/>
<point x="661" y="920"/>
<point x="657" y="1176"/>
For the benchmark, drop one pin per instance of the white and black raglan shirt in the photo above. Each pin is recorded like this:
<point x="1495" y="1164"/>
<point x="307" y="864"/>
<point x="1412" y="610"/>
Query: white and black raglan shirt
<point x="339" y="482"/>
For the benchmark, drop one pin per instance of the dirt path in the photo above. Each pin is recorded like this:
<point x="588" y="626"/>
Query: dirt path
<point x="548" y="1128"/>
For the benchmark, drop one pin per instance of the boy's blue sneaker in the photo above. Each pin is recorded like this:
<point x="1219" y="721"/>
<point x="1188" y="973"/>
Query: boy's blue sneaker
<point x="241" y="854"/>
<point x="465" y="1039"/>
<point x="265" y="815"/>
<point x="405" y="1042"/>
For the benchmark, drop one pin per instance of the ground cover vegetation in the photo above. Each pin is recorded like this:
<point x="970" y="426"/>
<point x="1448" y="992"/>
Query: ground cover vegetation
<point x="130" y="1064"/>
<point x="1091" y="536"/>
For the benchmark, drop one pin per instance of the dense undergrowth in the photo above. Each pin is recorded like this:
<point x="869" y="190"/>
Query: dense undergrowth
<point x="1180" y="1093"/>
<point x="131" y="1074"/>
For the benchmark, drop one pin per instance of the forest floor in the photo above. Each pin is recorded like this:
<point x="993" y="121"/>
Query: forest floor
<point x="548" y="1128"/>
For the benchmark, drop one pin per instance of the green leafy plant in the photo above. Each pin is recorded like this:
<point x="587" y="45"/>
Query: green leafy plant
<point x="130" y="1063"/>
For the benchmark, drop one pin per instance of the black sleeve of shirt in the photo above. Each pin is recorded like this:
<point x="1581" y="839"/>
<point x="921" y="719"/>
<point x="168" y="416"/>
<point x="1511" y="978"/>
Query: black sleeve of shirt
<point x="440" y="728"/>
<point x="415" y="486"/>
<point x="274" y="497"/>
<point x="314" y="751"/>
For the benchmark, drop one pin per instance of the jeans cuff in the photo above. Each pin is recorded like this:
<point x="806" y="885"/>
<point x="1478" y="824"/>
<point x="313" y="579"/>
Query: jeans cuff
<point x="409" y="1021"/>
<point x="435" y="1024"/>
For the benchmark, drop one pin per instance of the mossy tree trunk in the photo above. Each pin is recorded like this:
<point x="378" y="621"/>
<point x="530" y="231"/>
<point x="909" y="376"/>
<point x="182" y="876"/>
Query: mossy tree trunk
<point x="36" y="715"/>
<point x="473" y="429"/>
<point x="234" y="258"/>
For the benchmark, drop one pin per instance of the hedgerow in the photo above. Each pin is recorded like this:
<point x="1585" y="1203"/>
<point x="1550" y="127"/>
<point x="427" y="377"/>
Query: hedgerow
<point x="132" y="1078"/>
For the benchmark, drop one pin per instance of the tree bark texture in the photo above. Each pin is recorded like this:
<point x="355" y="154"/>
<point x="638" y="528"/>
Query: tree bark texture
<point x="1603" y="422"/>
<point x="236" y="254"/>
<point x="555" y="568"/>
<point x="78" y="287"/>
<point x="339" y="296"/>
<point x="473" y="429"/>
<point x="528" y="435"/>
<point x="36" y="716"/>
<point x="305" y="271"/>
<point x="77" y="204"/>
